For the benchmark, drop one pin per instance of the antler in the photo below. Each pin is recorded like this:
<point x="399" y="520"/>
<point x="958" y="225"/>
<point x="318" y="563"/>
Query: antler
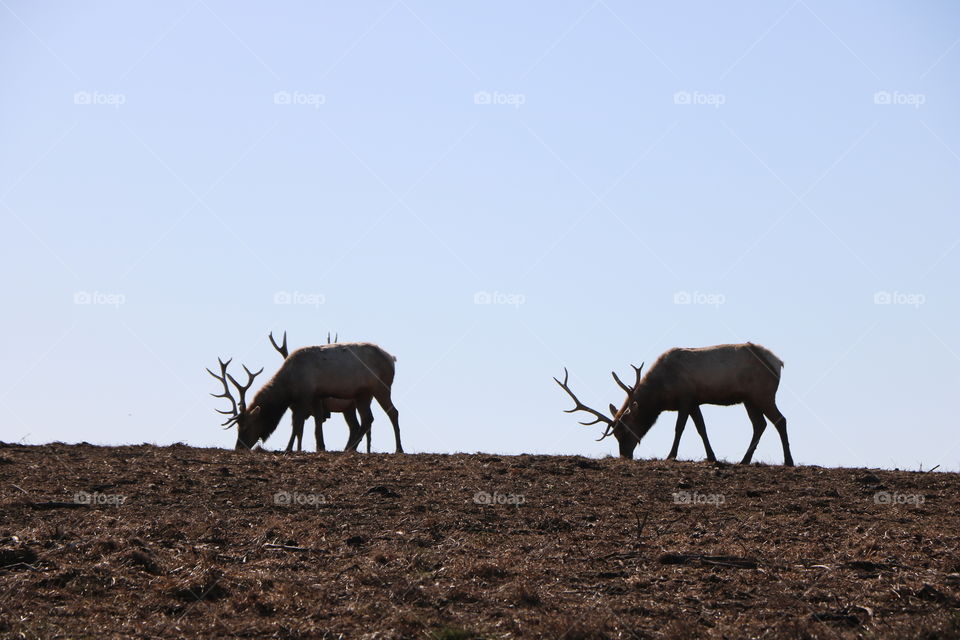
<point x="335" y="338"/>
<point x="242" y="389"/>
<point x="281" y="349"/>
<point x="234" y="412"/>
<point x="598" y="417"/>
<point x="620" y="382"/>
<point x="639" y="374"/>
<point x="238" y="407"/>
<point x="624" y="386"/>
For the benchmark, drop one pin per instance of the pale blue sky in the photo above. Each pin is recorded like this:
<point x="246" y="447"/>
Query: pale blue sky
<point x="169" y="169"/>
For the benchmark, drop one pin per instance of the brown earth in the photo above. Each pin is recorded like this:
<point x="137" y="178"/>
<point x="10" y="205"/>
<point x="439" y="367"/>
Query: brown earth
<point x="386" y="546"/>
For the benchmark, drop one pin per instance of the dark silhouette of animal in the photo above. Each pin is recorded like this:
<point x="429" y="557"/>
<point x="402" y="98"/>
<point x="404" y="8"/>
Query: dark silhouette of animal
<point x="683" y="379"/>
<point x="348" y="408"/>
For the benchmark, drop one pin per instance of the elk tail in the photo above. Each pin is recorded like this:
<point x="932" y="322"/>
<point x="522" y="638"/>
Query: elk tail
<point x="768" y="358"/>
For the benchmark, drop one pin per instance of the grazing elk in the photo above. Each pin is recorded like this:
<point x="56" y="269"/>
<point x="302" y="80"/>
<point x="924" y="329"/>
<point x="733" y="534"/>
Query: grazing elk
<point x="683" y="379"/>
<point x="331" y="405"/>
<point x="357" y="371"/>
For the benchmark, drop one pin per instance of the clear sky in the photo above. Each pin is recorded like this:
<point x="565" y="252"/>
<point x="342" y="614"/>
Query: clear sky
<point x="490" y="191"/>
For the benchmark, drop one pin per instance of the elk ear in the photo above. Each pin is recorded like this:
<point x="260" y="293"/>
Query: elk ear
<point x="255" y="411"/>
<point x="613" y="410"/>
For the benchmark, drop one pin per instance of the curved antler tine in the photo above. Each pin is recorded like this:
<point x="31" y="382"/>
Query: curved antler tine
<point x="281" y="348"/>
<point x="241" y="388"/>
<point x="226" y="395"/>
<point x="599" y="417"/>
<point x="639" y="371"/>
<point x="566" y="376"/>
<point x="620" y="382"/>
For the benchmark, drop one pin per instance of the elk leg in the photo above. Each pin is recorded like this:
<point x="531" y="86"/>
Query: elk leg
<point x="383" y="399"/>
<point x="780" y="422"/>
<point x="350" y="417"/>
<point x="298" y="419"/>
<point x="366" y="421"/>
<point x="293" y="435"/>
<point x="319" y="415"/>
<point x="702" y="430"/>
<point x="759" y="424"/>
<point x="681" y="423"/>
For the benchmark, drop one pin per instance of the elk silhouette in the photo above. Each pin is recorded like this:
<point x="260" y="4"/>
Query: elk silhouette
<point x="348" y="408"/>
<point x="683" y="379"/>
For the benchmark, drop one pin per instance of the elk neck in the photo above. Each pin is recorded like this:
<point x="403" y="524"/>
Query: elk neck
<point x="652" y="399"/>
<point x="273" y="402"/>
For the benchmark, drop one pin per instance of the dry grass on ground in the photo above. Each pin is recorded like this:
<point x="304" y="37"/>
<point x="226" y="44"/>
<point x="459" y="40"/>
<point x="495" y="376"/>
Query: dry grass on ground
<point x="384" y="546"/>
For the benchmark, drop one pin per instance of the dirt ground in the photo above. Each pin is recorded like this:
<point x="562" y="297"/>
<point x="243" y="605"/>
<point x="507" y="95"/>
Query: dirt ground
<point x="172" y="542"/>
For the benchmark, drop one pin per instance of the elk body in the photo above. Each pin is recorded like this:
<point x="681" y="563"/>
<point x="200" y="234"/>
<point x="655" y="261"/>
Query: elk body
<point x="357" y="371"/>
<point x="683" y="379"/>
<point x="348" y="408"/>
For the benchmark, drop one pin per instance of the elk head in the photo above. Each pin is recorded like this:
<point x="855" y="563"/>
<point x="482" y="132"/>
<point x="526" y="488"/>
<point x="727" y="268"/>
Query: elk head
<point x="248" y="429"/>
<point x="628" y="424"/>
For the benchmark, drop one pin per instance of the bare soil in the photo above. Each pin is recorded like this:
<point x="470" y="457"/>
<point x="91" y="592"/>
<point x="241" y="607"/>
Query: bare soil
<point x="184" y="542"/>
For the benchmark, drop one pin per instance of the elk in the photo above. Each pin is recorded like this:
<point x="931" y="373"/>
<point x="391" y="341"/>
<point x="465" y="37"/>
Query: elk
<point x="331" y="405"/>
<point x="683" y="379"/>
<point x="357" y="371"/>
